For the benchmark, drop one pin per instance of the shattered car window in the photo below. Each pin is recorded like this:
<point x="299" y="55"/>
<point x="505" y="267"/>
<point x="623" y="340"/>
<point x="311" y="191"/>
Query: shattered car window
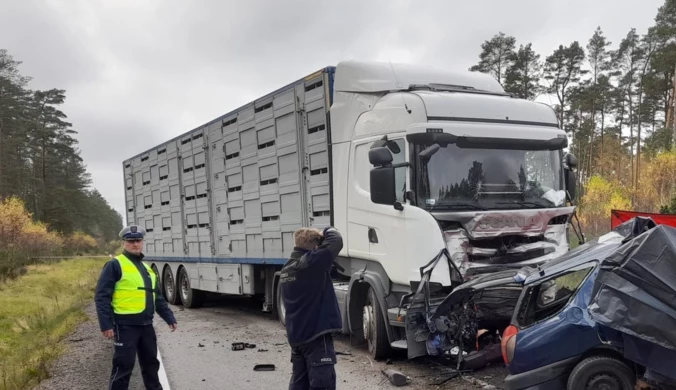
<point x="546" y="299"/>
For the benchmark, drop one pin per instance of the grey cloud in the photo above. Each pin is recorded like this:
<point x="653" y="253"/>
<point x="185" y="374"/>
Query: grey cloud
<point x="141" y="72"/>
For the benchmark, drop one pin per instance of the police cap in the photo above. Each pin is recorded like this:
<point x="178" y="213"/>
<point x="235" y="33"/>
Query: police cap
<point x="132" y="232"/>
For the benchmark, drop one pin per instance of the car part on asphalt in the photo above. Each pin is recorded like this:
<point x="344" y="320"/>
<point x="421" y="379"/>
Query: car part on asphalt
<point x="264" y="367"/>
<point x="395" y="377"/>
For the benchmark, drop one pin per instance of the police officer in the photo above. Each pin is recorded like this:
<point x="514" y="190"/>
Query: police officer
<point x="126" y="299"/>
<point x="312" y="312"/>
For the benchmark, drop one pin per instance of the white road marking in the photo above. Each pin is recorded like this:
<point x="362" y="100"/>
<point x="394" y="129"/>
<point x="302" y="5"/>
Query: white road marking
<point x="164" y="381"/>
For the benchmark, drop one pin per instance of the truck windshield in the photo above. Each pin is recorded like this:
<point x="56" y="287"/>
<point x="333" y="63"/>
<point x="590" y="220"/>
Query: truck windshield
<point x="484" y="179"/>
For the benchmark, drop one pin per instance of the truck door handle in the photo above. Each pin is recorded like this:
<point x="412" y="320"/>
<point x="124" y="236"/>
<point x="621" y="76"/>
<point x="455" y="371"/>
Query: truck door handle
<point x="373" y="237"/>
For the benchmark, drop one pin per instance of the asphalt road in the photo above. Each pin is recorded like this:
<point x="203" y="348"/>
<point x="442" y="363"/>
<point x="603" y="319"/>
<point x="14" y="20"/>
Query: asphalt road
<point x="199" y="356"/>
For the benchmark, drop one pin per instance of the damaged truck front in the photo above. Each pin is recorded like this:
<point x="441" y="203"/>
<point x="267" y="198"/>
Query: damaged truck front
<point x="491" y="172"/>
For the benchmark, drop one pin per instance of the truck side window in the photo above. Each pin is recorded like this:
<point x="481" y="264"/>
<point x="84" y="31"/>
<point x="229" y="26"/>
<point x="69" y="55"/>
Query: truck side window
<point x="400" y="173"/>
<point x="546" y="299"/>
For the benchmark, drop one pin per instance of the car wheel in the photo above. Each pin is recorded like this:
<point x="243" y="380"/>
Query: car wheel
<point x="602" y="373"/>
<point x="374" y="325"/>
<point x="191" y="297"/>
<point x="170" y="293"/>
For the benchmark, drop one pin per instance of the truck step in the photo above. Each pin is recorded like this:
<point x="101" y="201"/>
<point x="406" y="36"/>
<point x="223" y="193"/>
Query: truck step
<point x="394" y="320"/>
<point x="399" y="344"/>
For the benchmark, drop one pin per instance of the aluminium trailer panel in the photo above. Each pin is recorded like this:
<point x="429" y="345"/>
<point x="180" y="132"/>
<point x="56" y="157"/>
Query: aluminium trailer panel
<point x="234" y="190"/>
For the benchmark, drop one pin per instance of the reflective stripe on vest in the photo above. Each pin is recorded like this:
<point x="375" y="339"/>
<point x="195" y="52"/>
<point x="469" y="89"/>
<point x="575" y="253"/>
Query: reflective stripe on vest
<point x="129" y="296"/>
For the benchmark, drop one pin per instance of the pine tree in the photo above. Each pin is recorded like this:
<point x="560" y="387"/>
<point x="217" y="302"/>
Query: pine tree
<point x="497" y="55"/>
<point x="523" y="75"/>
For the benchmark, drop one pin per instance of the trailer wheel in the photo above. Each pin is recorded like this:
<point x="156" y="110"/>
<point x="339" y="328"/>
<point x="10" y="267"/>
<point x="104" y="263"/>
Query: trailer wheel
<point x="600" y="373"/>
<point x="191" y="298"/>
<point x="157" y="274"/>
<point x="169" y="284"/>
<point x="279" y="305"/>
<point x="375" y="331"/>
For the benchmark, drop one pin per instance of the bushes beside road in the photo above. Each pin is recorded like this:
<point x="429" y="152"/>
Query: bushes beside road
<point x="22" y="239"/>
<point x="37" y="310"/>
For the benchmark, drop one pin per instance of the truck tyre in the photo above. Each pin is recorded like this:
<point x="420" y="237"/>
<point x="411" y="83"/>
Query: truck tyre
<point x="375" y="331"/>
<point x="157" y="275"/>
<point x="169" y="287"/>
<point x="600" y="373"/>
<point x="279" y="305"/>
<point x="191" y="298"/>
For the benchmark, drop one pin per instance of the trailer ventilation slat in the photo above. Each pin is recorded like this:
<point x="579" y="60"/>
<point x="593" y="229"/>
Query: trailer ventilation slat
<point x="263" y="107"/>
<point x="319" y="171"/>
<point x="232" y="155"/>
<point x="315" y="129"/>
<point x="312" y="86"/>
<point x="230" y="122"/>
<point x="269" y="181"/>
<point x="266" y="145"/>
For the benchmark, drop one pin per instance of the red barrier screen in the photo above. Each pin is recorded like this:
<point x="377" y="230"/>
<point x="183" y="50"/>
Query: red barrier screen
<point x="620" y="216"/>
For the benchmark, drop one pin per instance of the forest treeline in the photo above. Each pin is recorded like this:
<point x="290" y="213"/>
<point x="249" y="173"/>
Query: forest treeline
<point x="616" y="102"/>
<point x="47" y="205"/>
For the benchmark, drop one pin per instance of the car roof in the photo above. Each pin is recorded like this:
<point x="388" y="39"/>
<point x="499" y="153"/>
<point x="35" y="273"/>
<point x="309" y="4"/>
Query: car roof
<point x="595" y="250"/>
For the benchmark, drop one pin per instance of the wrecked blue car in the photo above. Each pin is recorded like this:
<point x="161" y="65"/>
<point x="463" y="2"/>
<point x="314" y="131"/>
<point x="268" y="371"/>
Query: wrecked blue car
<point x="601" y="317"/>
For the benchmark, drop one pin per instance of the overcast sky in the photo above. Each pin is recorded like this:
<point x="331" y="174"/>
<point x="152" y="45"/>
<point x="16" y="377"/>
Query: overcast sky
<point x="139" y="72"/>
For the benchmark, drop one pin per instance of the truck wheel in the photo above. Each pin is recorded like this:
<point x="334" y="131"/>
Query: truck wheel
<point x="600" y="373"/>
<point x="170" y="293"/>
<point x="374" y="324"/>
<point x="191" y="298"/>
<point x="279" y="305"/>
<point x="157" y="274"/>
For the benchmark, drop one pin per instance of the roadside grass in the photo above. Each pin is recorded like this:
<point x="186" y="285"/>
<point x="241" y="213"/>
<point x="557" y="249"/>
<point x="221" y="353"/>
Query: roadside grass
<point x="37" y="311"/>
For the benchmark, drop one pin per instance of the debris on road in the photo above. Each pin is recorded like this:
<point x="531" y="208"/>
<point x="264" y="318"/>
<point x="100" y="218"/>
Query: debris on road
<point x="200" y="345"/>
<point x="478" y="382"/>
<point x="264" y="367"/>
<point x="262" y="350"/>
<point x="396" y="377"/>
<point x="239" y="346"/>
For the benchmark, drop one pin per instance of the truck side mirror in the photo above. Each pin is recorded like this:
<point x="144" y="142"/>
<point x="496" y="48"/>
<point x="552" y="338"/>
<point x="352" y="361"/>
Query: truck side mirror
<point x="380" y="156"/>
<point x="382" y="182"/>
<point x="570" y="176"/>
<point x="571" y="161"/>
<point x="383" y="186"/>
<point x="571" y="183"/>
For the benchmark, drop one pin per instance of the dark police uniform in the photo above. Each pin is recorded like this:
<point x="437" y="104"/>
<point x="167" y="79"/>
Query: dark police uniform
<point x="312" y="313"/>
<point x="126" y="304"/>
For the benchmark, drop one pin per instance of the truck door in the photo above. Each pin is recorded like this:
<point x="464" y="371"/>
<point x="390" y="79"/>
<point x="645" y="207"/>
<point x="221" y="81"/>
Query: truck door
<point x="387" y="226"/>
<point x="373" y="232"/>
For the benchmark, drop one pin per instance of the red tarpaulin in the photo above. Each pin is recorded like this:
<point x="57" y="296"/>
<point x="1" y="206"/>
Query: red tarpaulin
<point x="619" y="216"/>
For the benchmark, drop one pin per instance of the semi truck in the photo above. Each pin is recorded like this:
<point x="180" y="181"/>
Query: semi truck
<point x="433" y="177"/>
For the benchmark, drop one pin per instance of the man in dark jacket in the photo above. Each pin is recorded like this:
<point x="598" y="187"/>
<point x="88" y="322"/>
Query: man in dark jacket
<point x="312" y="311"/>
<point x="127" y="296"/>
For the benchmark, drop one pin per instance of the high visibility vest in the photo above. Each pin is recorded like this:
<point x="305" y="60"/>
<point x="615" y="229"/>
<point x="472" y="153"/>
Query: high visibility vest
<point x="129" y="296"/>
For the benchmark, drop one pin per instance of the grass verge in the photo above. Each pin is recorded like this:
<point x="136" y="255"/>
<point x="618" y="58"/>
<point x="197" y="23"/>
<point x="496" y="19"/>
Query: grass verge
<point x="37" y="311"/>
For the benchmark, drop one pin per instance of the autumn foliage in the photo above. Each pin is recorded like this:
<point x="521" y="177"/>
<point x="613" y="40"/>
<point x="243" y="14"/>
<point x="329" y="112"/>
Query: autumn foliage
<point x="22" y="239"/>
